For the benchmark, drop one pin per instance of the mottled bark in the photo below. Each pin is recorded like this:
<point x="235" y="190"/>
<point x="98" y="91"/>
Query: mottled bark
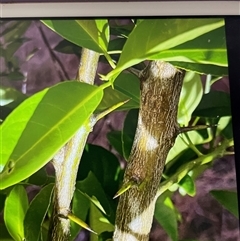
<point x="66" y="162"/>
<point x="157" y="129"/>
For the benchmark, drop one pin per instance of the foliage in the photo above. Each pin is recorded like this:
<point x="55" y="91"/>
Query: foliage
<point x="36" y="129"/>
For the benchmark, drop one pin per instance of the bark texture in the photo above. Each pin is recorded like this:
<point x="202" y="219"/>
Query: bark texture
<point x="157" y="129"/>
<point x="67" y="160"/>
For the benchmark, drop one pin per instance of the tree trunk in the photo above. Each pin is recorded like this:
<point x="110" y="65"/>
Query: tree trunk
<point x="156" y="132"/>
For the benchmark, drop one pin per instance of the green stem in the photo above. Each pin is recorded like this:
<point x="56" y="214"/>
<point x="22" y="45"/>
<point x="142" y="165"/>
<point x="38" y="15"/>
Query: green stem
<point x="201" y="160"/>
<point x="192" y="146"/>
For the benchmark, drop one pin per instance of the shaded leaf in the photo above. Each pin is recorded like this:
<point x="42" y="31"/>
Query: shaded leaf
<point x="166" y="216"/>
<point x="80" y="207"/>
<point x="92" y="188"/>
<point x="16" y="205"/>
<point x="67" y="47"/>
<point x="228" y="199"/>
<point x="103" y="164"/>
<point x="36" y="213"/>
<point x="114" y="137"/>
<point x="53" y="115"/>
<point x="128" y="132"/>
<point x="126" y="87"/>
<point x="214" y="104"/>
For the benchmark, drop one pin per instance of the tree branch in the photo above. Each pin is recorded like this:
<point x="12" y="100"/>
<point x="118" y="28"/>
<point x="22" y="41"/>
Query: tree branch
<point x="157" y="129"/>
<point x="66" y="162"/>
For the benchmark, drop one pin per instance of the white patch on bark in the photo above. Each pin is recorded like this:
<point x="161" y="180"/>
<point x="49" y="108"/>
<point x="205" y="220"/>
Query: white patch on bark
<point x="120" y="236"/>
<point x="142" y="223"/>
<point x="151" y="142"/>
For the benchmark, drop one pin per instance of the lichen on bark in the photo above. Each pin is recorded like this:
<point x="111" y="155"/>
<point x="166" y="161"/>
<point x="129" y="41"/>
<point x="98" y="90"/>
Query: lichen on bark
<point x="156" y="132"/>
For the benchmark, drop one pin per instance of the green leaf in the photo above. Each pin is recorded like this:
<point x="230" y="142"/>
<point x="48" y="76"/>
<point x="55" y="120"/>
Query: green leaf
<point x="214" y="104"/>
<point x="33" y="133"/>
<point x="36" y="213"/>
<point x="114" y="137"/>
<point x="128" y="132"/>
<point x="166" y="216"/>
<point x="103" y="164"/>
<point x="67" y="47"/>
<point x="209" y="48"/>
<point x="180" y="144"/>
<point x="98" y="222"/>
<point x="91" y="34"/>
<point x="16" y="205"/>
<point x="187" y="186"/>
<point x="190" y="97"/>
<point x="92" y="188"/>
<point x="202" y="68"/>
<point x="152" y="36"/>
<point x="228" y="199"/>
<point x="80" y="207"/>
<point x="126" y="87"/>
<point x="4" y="235"/>
<point x="9" y="95"/>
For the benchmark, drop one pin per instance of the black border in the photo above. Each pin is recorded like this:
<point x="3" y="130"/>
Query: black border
<point x="232" y="28"/>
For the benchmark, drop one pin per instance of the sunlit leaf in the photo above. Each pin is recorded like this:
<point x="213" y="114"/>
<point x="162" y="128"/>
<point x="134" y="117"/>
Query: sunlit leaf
<point x="209" y="48"/>
<point x="16" y="205"/>
<point x="91" y="34"/>
<point x="152" y="36"/>
<point x="33" y="132"/>
<point x="187" y="186"/>
<point x="190" y="97"/>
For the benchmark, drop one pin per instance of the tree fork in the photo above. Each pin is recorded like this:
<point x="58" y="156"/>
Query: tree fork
<point x="156" y="132"/>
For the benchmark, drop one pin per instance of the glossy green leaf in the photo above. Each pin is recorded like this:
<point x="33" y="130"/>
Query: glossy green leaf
<point x="16" y="205"/>
<point x="126" y="87"/>
<point x="36" y="213"/>
<point x="128" y="132"/>
<point x="190" y="97"/>
<point x="202" y="68"/>
<point x="166" y="216"/>
<point x="180" y="144"/>
<point x="152" y="36"/>
<point x="91" y="34"/>
<point x="98" y="222"/>
<point x="214" y="104"/>
<point x="209" y="48"/>
<point x="34" y="132"/>
<point x="80" y="207"/>
<point x="228" y="199"/>
<point x="187" y="186"/>
<point x="92" y="188"/>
